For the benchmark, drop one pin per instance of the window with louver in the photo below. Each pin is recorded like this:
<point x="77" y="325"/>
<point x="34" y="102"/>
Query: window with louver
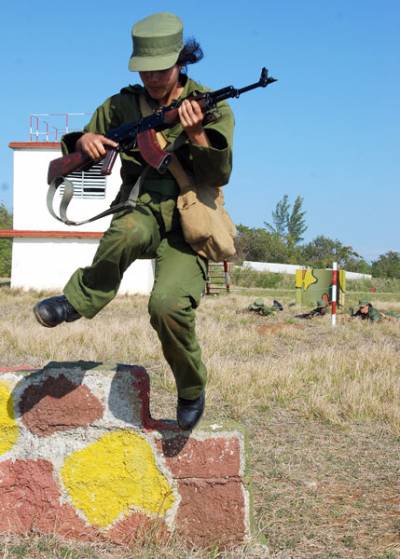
<point x="87" y="184"/>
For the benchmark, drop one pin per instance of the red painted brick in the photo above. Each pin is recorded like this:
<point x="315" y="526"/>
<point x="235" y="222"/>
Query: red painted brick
<point x="209" y="458"/>
<point x="58" y="405"/>
<point x="30" y="501"/>
<point x="137" y="526"/>
<point x="211" y="512"/>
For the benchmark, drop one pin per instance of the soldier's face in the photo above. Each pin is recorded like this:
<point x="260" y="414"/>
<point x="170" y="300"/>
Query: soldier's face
<point x="161" y="84"/>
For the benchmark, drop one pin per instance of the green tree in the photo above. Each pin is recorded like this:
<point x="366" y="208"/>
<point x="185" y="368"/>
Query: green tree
<point x="257" y="245"/>
<point x="322" y="251"/>
<point x="387" y="265"/>
<point x="280" y="218"/>
<point x="5" y="217"/>
<point x="290" y="225"/>
<point x="5" y="244"/>
<point x="296" y="223"/>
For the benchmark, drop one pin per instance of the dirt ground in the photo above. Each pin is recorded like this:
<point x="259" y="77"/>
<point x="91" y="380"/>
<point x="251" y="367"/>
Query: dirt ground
<point x="325" y="469"/>
<point x="320" y="491"/>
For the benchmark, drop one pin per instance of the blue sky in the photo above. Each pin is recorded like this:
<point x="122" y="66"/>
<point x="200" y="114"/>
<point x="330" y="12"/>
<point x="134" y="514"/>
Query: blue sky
<point x="328" y="130"/>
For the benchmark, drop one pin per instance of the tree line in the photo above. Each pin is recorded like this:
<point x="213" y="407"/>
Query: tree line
<point x="278" y="241"/>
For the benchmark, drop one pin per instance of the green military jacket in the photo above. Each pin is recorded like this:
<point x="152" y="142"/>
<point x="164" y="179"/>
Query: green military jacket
<point x="208" y="165"/>
<point x="373" y="314"/>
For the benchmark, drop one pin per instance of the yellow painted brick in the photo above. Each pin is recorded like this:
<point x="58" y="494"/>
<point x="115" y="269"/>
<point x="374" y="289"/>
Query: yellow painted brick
<point x="114" y="475"/>
<point x="9" y="431"/>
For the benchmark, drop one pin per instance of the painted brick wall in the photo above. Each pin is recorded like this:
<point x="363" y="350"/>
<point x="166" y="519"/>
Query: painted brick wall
<point x="80" y="456"/>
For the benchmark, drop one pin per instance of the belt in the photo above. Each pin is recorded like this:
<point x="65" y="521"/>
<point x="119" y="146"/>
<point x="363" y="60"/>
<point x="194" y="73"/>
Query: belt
<point x="165" y="187"/>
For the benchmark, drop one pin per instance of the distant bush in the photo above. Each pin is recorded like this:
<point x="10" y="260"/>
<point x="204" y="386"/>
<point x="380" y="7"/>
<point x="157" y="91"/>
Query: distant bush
<point x="243" y="277"/>
<point x="360" y="285"/>
<point x="5" y="244"/>
<point x="387" y="265"/>
<point x="381" y="285"/>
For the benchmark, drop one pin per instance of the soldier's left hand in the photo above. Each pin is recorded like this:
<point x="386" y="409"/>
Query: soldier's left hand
<point x="191" y="116"/>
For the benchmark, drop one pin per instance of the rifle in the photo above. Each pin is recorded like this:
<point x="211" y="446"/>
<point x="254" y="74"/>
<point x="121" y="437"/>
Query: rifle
<point x="143" y="135"/>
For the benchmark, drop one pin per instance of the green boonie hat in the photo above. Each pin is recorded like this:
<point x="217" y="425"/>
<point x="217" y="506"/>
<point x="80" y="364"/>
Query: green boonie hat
<point x="157" y="42"/>
<point x="363" y="303"/>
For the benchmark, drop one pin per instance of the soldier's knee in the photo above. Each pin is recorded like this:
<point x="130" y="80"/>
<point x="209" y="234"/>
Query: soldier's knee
<point x="131" y="231"/>
<point x="163" y="307"/>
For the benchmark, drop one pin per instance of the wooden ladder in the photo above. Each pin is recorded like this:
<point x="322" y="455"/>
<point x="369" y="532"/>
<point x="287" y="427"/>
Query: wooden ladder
<point x="218" y="279"/>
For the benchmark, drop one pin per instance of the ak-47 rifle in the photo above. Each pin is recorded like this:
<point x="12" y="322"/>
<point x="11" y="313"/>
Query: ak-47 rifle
<point x="143" y="135"/>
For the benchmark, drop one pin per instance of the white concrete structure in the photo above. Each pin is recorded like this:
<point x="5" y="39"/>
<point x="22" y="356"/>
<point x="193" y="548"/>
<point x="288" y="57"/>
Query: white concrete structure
<point x="45" y="251"/>
<point x="291" y="269"/>
<point x="271" y="267"/>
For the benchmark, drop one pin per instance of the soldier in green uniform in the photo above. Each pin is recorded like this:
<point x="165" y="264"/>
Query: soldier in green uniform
<point x="152" y="229"/>
<point x="265" y="310"/>
<point x="366" y="311"/>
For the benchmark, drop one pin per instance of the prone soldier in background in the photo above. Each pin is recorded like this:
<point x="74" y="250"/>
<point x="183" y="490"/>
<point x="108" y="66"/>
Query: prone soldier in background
<point x="321" y="309"/>
<point x="366" y="311"/>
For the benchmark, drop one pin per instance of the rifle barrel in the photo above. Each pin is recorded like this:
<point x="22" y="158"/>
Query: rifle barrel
<point x="248" y="88"/>
<point x="230" y="91"/>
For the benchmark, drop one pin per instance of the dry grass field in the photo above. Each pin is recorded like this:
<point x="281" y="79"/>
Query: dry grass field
<point x="321" y="407"/>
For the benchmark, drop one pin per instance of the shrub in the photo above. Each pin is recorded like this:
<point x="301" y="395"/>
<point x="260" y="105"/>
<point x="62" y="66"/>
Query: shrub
<point x="5" y="244"/>
<point x="250" y="278"/>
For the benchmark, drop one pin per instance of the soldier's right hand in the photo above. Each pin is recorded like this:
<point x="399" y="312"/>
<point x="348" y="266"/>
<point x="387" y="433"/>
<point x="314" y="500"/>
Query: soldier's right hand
<point x="93" y="145"/>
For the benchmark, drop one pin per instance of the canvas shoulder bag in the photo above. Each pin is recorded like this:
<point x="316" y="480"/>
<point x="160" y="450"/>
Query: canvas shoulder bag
<point x="206" y="225"/>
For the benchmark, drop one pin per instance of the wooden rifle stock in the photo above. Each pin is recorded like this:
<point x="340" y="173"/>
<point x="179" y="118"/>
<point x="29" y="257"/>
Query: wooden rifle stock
<point x="78" y="161"/>
<point x="63" y="166"/>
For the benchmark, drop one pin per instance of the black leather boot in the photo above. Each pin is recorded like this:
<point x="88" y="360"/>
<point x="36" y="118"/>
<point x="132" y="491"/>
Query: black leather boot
<point x="189" y="412"/>
<point x="55" y="310"/>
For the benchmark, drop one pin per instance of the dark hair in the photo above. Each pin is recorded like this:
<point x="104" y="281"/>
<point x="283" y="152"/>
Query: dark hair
<point x="190" y="54"/>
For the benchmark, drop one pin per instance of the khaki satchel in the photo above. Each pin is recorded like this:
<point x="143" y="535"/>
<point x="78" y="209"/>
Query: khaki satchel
<point x="206" y="225"/>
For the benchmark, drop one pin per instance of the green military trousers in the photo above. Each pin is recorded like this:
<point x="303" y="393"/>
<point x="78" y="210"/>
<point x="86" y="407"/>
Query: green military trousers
<point x="179" y="282"/>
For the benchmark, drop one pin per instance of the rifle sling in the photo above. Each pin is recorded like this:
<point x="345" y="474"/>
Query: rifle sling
<point x="68" y="193"/>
